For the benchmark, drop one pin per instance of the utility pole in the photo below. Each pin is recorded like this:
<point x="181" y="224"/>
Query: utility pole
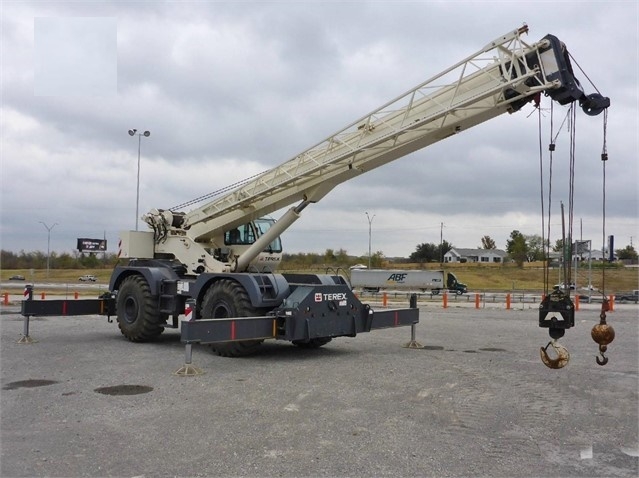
<point x="133" y="132"/>
<point x="441" y="244"/>
<point x="48" y="241"/>
<point x="370" y="228"/>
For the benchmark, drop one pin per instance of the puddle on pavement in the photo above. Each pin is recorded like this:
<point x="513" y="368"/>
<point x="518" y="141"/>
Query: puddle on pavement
<point x="32" y="383"/>
<point x="433" y="347"/>
<point x="124" y="390"/>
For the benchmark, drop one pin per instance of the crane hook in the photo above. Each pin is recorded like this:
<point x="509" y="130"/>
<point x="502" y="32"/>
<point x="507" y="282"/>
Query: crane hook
<point x="562" y="355"/>
<point x="604" y="359"/>
<point x="602" y="333"/>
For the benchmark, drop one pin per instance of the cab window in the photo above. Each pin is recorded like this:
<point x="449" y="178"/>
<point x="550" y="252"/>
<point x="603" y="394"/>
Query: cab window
<point x="263" y="225"/>
<point x="246" y="234"/>
<point x="240" y="235"/>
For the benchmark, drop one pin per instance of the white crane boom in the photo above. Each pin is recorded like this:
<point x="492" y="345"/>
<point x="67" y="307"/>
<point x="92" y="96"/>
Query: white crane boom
<point x="501" y="77"/>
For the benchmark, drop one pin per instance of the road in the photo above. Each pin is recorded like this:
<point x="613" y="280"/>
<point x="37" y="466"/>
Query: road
<point x="53" y="285"/>
<point x="476" y="401"/>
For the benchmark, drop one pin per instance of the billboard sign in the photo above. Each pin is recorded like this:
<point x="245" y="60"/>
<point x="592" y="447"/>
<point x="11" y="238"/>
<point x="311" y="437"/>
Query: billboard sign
<point x="92" y="245"/>
<point x="581" y="247"/>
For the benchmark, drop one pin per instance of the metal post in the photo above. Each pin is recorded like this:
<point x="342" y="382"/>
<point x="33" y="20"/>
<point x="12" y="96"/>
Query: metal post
<point x="589" y="271"/>
<point x="26" y="338"/>
<point x="133" y="132"/>
<point x="413" y="344"/>
<point x="188" y="369"/>
<point x="370" y="228"/>
<point x="137" y="189"/>
<point x="48" y="242"/>
<point x="188" y="353"/>
<point x="441" y="244"/>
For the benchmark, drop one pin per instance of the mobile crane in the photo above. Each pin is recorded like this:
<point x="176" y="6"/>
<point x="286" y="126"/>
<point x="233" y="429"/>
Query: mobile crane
<point x="216" y="264"/>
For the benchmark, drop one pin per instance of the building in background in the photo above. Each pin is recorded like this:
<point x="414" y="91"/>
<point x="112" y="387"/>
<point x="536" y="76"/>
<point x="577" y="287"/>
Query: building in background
<point x="484" y="256"/>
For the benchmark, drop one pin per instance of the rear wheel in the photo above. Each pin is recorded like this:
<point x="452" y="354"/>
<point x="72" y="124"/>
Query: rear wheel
<point x="138" y="317"/>
<point x="227" y="298"/>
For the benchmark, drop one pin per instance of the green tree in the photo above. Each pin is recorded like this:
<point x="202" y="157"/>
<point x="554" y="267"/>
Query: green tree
<point x="377" y="259"/>
<point x="487" y="242"/>
<point x="517" y="248"/>
<point x="627" y="253"/>
<point x="559" y="245"/>
<point x="565" y="247"/>
<point x="329" y="255"/>
<point x="429" y="252"/>
<point x="425" y="252"/>
<point x="341" y="257"/>
<point x="65" y="261"/>
<point x="535" y="248"/>
<point x="89" y="261"/>
<point x="8" y="260"/>
<point x="442" y="249"/>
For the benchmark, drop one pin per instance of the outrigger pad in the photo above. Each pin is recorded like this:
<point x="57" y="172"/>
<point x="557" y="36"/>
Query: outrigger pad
<point x="26" y="339"/>
<point x="188" y="370"/>
<point x="557" y="311"/>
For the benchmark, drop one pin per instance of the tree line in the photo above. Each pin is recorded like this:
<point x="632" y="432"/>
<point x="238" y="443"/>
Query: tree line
<point x="64" y="260"/>
<point x="519" y="247"/>
<point x="529" y="248"/>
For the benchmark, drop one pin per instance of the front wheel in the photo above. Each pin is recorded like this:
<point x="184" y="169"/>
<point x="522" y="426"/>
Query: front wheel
<point x="227" y="298"/>
<point x="138" y="317"/>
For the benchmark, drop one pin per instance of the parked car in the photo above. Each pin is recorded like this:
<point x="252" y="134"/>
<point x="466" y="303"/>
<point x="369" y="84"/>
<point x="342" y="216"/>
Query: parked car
<point x="87" y="278"/>
<point x="16" y="278"/>
<point x="628" y="297"/>
<point x="563" y="286"/>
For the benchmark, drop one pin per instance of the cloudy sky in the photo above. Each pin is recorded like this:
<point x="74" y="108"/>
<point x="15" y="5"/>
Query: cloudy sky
<point x="230" y="89"/>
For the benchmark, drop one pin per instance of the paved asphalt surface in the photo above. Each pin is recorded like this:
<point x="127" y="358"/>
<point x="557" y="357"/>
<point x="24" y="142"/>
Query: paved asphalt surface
<point x="476" y="401"/>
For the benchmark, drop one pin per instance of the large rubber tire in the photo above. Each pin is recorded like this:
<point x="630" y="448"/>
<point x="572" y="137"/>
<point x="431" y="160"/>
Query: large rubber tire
<point x="138" y="317"/>
<point x="227" y="298"/>
<point x="313" y="343"/>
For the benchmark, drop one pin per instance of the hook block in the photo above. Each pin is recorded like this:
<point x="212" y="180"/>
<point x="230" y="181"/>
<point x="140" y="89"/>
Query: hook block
<point x="557" y="311"/>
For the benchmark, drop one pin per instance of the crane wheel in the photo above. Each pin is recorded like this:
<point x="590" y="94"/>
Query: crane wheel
<point x="137" y="312"/>
<point x="312" y="343"/>
<point x="227" y="298"/>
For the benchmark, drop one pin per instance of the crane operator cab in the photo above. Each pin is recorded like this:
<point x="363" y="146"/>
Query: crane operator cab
<point x="239" y="239"/>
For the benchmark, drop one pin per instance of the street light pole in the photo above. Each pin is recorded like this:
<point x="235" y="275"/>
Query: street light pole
<point x="48" y="241"/>
<point x="133" y="132"/>
<point x="370" y="227"/>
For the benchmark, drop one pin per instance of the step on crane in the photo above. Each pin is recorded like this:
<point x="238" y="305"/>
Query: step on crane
<point x="217" y="263"/>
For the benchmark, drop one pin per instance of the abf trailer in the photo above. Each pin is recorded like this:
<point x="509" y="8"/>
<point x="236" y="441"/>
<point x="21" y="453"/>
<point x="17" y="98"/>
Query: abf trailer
<point x="413" y="280"/>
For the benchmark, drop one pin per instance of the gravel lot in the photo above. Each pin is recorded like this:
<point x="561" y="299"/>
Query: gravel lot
<point x="476" y="401"/>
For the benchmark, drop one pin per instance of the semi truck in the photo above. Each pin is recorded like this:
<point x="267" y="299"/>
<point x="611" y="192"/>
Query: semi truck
<point x="216" y="265"/>
<point x="411" y="280"/>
